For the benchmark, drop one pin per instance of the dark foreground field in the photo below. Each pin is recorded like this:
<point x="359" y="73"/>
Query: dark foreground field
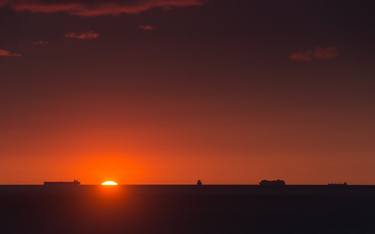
<point x="187" y="209"/>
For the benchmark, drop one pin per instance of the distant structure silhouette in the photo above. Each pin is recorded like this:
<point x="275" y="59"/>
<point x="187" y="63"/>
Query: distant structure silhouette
<point x="338" y="184"/>
<point x="62" y="183"/>
<point x="272" y="183"/>
<point x="199" y="183"/>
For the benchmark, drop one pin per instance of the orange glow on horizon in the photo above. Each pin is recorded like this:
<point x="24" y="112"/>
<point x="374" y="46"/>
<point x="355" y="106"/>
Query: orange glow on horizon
<point x="109" y="183"/>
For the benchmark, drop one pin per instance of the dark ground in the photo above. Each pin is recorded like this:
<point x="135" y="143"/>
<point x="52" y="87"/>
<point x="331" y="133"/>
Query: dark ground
<point x="188" y="209"/>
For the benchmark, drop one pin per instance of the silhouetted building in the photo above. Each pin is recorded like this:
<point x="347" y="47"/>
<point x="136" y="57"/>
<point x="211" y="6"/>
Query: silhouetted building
<point x="62" y="183"/>
<point x="272" y="183"/>
<point x="199" y="183"/>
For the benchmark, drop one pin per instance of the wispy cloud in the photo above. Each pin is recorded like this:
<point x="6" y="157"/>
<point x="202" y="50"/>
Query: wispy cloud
<point x="147" y="27"/>
<point x="318" y="53"/>
<point x="40" y="43"/>
<point x="85" y="36"/>
<point x="96" y="7"/>
<point x="7" y="53"/>
<point x="301" y="56"/>
<point x="326" y="53"/>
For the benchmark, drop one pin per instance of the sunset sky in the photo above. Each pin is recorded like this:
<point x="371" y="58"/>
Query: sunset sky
<point x="169" y="91"/>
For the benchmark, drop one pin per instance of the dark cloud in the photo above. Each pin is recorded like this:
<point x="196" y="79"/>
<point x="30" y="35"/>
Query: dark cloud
<point x="7" y="53"/>
<point x="96" y="7"/>
<point x="85" y="36"/>
<point x="318" y="53"/>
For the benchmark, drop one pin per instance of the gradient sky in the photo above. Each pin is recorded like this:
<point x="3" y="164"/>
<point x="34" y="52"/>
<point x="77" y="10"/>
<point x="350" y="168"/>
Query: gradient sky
<point x="168" y="91"/>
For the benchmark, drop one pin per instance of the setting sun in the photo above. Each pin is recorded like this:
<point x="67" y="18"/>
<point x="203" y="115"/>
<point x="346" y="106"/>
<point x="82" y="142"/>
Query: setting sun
<point x="109" y="183"/>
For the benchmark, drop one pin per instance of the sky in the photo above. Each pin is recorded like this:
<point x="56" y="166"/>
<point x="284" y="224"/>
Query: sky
<point x="169" y="91"/>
